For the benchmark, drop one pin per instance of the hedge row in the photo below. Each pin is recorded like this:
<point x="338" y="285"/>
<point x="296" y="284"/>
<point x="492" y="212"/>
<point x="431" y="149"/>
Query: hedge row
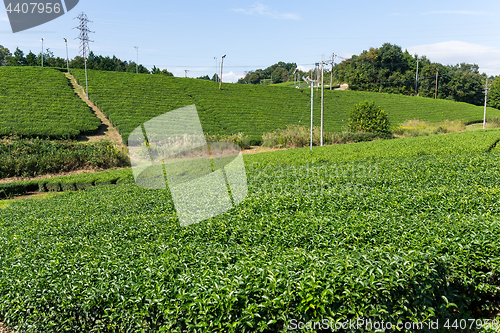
<point x="65" y="183"/>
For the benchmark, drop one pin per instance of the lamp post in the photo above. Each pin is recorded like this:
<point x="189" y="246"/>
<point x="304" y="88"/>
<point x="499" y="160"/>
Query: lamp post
<point x="221" y="66"/>
<point x="67" y="56"/>
<point x="42" y="51"/>
<point x="137" y="60"/>
<point x="215" y="69"/>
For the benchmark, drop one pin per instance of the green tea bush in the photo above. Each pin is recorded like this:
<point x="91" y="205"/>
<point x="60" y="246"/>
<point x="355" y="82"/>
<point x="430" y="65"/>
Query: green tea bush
<point x="129" y="100"/>
<point x="368" y="117"/>
<point x="39" y="102"/>
<point x="393" y="230"/>
<point x="75" y="182"/>
<point x="33" y="157"/>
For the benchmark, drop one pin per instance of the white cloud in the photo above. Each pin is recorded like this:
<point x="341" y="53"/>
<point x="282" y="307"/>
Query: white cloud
<point x="455" y="52"/>
<point x="304" y="68"/>
<point x="4" y="19"/>
<point x="231" y="77"/>
<point x="266" y="11"/>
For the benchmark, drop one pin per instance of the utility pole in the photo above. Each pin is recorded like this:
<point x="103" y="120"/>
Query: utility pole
<point x="322" y="98"/>
<point x="437" y="78"/>
<point x="84" y="43"/>
<point x="416" y="79"/>
<point x="485" y="102"/>
<point x="42" y="51"/>
<point x="317" y="78"/>
<point x="67" y="56"/>
<point x="331" y="73"/>
<point x="221" y="66"/>
<point x="186" y="72"/>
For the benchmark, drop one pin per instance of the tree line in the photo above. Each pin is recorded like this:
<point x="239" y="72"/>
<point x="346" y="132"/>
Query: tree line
<point x="277" y="73"/>
<point x="97" y="62"/>
<point x="389" y="69"/>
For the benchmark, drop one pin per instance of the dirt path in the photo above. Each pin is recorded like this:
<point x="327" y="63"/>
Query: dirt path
<point x="106" y="130"/>
<point x="4" y="329"/>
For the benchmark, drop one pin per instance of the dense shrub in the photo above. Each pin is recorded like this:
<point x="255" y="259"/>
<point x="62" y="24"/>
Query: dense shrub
<point x="33" y="157"/>
<point x="368" y="117"/>
<point x="294" y="136"/>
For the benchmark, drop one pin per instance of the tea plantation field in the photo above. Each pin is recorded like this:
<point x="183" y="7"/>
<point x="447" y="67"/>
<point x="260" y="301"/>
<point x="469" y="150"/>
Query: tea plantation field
<point x="401" y="230"/>
<point x="129" y="100"/>
<point x="39" y="102"/>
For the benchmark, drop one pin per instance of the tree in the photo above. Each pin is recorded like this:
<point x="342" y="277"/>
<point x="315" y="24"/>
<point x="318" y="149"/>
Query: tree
<point x="156" y="70"/>
<point x="4" y="55"/>
<point x="17" y="59"/>
<point x="494" y="93"/>
<point x="205" y="77"/>
<point x="466" y="84"/>
<point x="278" y="71"/>
<point x="31" y="59"/>
<point x="368" y="117"/>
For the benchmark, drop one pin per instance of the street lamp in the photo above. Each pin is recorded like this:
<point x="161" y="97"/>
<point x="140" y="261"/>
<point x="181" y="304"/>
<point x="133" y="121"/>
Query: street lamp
<point x="215" y="69"/>
<point x="42" y="51"/>
<point x="221" y="66"/>
<point x="67" y="56"/>
<point x="137" y="60"/>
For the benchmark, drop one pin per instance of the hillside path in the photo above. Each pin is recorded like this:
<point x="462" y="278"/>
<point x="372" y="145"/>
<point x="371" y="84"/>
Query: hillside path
<point x="106" y="130"/>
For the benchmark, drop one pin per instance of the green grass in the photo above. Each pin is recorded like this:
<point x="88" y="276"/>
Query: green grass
<point x="39" y="102"/>
<point x="397" y="230"/>
<point x="129" y="100"/>
<point x="6" y="203"/>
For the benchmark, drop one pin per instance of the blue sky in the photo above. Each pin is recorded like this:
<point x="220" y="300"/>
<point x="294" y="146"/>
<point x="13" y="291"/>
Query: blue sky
<point x="187" y="35"/>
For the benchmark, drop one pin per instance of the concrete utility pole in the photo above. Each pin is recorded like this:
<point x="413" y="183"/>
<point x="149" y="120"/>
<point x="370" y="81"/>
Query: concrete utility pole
<point x="437" y="78"/>
<point x="221" y="66"/>
<point x="416" y="79"/>
<point x="485" y="102"/>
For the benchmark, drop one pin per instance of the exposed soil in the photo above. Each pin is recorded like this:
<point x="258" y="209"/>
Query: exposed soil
<point x="4" y="329"/>
<point x="260" y="149"/>
<point x="106" y="130"/>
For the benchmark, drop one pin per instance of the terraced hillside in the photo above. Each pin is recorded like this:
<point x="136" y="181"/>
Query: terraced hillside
<point x="39" y="102"/>
<point x="128" y="100"/>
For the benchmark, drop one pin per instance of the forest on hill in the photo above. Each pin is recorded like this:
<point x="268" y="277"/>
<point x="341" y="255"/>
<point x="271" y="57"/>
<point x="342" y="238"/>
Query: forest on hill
<point x="389" y="69"/>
